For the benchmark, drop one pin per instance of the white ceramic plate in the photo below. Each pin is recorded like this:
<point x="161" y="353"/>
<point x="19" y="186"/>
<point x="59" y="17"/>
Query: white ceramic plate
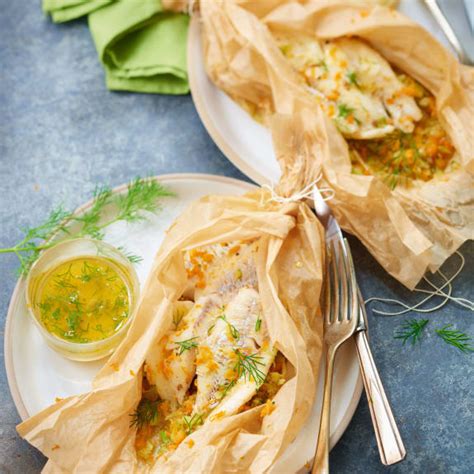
<point x="37" y="375"/>
<point x="242" y="140"/>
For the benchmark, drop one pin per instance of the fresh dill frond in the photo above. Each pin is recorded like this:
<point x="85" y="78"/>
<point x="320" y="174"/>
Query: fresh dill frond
<point x="455" y="338"/>
<point x="131" y="257"/>
<point x="53" y="223"/>
<point x="227" y="387"/>
<point x="192" y="422"/>
<point x="247" y="366"/>
<point x="145" y="414"/>
<point x="141" y="195"/>
<point x="91" y="218"/>
<point x="186" y="345"/>
<point x="28" y="249"/>
<point x="233" y="330"/>
<point x="411" y="330"/>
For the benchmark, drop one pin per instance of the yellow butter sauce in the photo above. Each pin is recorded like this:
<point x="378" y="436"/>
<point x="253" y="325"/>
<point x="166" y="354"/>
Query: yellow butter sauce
<point x="82" y="300"/>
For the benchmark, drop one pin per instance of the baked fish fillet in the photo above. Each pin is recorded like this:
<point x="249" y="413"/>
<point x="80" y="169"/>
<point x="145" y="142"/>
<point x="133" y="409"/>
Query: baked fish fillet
<point x="170" y="364"/>
<point x="234" y="358"/>
<point x="355" y="85"/>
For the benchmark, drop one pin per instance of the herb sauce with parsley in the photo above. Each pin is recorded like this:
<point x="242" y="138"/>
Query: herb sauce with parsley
<point x="84" y="299"/>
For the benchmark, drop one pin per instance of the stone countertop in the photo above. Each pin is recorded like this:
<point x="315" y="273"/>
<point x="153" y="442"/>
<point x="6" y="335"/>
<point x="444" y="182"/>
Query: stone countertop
<point x="62" y="133"/>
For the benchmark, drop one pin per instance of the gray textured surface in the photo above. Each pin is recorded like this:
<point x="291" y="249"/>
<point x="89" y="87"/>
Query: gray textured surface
<point x="61" y="133"/>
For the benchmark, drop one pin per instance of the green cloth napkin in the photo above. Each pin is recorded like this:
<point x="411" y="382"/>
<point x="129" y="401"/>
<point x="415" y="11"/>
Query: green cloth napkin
<point x="65" y="10"/>
<point x="142" y="47"/>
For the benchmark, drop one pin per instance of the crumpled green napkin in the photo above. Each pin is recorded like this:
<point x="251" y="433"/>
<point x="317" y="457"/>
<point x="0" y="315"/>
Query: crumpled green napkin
<point x="65" y="10"/>
<point x="142" y="47"/>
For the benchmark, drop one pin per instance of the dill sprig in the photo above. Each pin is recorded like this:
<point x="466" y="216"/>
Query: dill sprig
<point x="455" y="338"/>
<point x="227" y="387"/>
<point x="233" y="330"/>
<point x="133" y="258"/>
<point x="142" y="195"/>
<point x="145" y="414"/>
<point x="186" y="345"/>
<point x="247" y="366"/>
<point x="411" y="330"/>
<point x="192" y="422"/>
<point x="91" y="218"/>
<point x="28" y="249"/>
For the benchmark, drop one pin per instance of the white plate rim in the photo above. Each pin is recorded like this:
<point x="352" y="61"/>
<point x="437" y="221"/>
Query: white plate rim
<point x="217" y="138"/>
<point x="337" y="432"/>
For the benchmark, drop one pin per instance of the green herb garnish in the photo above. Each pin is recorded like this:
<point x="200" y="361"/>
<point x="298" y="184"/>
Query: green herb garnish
<point x="192" y="422"/>
<point x="248" y="367"/>
<point x="258" y="324"/>
<point x="133" y="258"/>
<point x="141" y="195"/>
<point x="381" y="122"/>
<point x="344" y="110"/>
<point x="186" y="345"/>
<point x="323" y="64"/>
<point x="233" y="330"/>
<point x="165" y="439"/>
<point x="27" y="250"/>
<point x="352" y="78"/>
<point x="455" y="338"/>
<point x="209" y="331"/>
<point x="73" y="320"/>
<point x="227" y="387"/>
<point x="145" y="414"/>
<point x="411" y="330"/>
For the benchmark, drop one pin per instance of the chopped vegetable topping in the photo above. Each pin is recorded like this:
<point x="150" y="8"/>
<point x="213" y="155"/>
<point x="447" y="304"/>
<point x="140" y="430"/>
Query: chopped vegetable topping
<point x="181" y="388"/>
<point x="402" y="142"/>
<point x="160" y="428"/>
<point x="401" y="158"/>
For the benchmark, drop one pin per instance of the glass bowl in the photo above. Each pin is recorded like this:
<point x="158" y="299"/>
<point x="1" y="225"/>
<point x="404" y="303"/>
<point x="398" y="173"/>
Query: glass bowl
<point x="59" y="254"/>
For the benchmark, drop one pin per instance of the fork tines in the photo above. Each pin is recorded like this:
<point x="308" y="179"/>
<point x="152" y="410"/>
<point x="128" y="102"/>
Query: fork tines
<point x="340" y="294"/>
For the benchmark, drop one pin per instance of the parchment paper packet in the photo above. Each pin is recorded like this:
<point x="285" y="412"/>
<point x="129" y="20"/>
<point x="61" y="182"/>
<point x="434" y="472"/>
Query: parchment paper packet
<point x="92" y="432"/>
<point x="408" y="230"/>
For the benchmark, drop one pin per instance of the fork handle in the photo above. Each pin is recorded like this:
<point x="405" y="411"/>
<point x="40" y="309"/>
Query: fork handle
<point x="321" y="458"/>
<point x="389" y="441"/>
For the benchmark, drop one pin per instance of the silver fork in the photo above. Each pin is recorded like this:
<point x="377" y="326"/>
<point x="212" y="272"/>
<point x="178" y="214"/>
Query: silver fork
<point x="340" y="310"/>
<point x="389" y="441"/>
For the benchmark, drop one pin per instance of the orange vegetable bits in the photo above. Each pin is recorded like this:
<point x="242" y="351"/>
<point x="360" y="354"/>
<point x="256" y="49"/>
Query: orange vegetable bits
<point x="406" y="157"/>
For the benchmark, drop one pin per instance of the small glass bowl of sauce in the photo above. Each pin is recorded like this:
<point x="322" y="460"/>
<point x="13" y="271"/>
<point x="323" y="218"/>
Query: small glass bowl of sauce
<point x="82" y="295"/>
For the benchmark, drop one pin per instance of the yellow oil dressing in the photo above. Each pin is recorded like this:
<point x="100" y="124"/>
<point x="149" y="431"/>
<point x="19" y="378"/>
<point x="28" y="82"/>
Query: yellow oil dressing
<point x="84" y="299"/>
